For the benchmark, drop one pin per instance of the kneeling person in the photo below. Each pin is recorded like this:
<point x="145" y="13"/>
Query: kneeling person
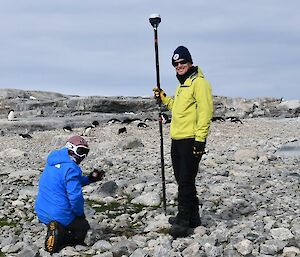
<point x="60" y="203"/>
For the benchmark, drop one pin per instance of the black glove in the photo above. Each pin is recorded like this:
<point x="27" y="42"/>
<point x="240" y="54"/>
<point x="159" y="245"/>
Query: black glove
<point x="159" y="94"/>
<point x="198" y="149"/>
<point x="96" y="175"/>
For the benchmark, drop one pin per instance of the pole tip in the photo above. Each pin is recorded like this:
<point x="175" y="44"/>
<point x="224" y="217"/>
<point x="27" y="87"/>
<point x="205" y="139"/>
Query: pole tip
<point x="154" y="19"/>
<point x="154" y="15"/>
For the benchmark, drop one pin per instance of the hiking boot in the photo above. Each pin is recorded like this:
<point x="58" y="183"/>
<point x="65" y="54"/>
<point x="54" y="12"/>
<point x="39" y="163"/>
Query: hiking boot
<point x="51" y="242"/>
<point x="195" y="220"/>
<point x="182" y="229"/>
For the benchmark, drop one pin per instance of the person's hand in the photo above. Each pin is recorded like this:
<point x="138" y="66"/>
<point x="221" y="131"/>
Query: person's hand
<point x="198" y="149"/>
<point x="159" y="94"/>
<point x="96" y="175"/>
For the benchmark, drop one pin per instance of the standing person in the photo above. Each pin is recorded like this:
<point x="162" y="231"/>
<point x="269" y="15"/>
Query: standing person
<point x="192" y="109"/>
<point x="60" y="203"/>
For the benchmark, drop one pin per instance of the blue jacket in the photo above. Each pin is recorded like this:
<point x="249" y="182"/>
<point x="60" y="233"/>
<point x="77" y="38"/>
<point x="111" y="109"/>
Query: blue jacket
<point x="60" y="195"/>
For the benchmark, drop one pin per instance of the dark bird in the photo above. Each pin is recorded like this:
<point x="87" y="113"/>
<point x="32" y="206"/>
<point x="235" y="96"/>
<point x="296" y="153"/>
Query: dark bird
<point x="87" y="131"/>
<point x="113" y="120"/>
<point x="142" y="125"/>
<point x="136" y="120"/>
<point x="95" y="123"/>
<point x="165" y="118"/>
<point x="234" y="119"/>
<point x="217" y="118"/>
<point x="122" y="130"/>
<point x="67" y="129"/>
<point x="11" y="115"/>
<point x="294" y="174"/>
<point x="41" y="113"/>
<point x="25" y="136"/>
<point x="127" y="121"/>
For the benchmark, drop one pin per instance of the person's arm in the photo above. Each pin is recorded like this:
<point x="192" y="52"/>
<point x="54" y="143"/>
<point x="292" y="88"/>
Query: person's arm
<point x="74" y="191"/>
<point x="168" y="102"/>
<point x="203" y="96"/>
<point x="85" y="180"/>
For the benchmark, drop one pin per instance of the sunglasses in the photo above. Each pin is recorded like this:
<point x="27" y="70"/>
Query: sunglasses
<point x="175" y="64"/>
<point x="80" y="150"/>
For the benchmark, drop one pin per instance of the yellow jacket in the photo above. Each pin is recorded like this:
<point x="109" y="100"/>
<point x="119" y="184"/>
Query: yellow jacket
<point x="192" y="108"/>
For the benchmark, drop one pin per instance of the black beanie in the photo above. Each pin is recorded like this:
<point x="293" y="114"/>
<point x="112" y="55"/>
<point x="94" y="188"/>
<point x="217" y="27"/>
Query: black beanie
<point x="181" y="52"/>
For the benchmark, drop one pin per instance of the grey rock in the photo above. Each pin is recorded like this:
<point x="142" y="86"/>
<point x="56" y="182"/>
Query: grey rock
<point x="265" y="255"/>
<point x="102" y="246"/>
<point x="7" y="241"/>
<point x="148" y="199"/>
<point x="107" y="254"/>
<point x="244" y="247"/>
<point x="108" y="188"/>
<point x="139" y="253"/>
<point x="206" y="239"/>
<point x="158" y="223"/>
<point x="28" y="251"/>
<point x="69" y="251"/>
<point x="272" y="246"/>
<point x="221" y="234"/>
<point x="160" y="250"/>
<point x="230" y="251"/>
<point x="95" y="234"/>
<point x="16" y="247"/>
<point x="12" y="153"/>
<point x="291" y="104"/>
<point x="281" y="233"/>
<point x="131" y="143"/>
<point x="192" y="250"/>
<point x="28" y="191"/>
<point x="245" y="155"/>
<point x="291" y="251"/>
<point x="124" y="247"/>
<point x="212" y="251"/>
<point x="296" y="228"/>
<point x="289" y="150"/>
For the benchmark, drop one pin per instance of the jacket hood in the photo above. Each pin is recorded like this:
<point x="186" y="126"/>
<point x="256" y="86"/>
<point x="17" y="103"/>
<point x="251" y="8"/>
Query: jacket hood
<point x="199" y="72"/>
<point x="59" y="156"/>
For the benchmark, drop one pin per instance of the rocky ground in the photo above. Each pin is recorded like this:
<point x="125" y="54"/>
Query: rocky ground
<point x="248" y="186"/>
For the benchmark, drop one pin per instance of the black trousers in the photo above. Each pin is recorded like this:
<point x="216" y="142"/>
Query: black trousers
<point x="75" y="232"/>
<point x="185" y="166"/>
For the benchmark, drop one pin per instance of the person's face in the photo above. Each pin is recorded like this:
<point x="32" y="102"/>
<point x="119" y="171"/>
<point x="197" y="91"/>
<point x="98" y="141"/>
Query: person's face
<point x="182" y="66"/>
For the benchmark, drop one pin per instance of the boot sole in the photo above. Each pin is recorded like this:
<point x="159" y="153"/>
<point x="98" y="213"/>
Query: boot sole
<point x="51" y="239"/>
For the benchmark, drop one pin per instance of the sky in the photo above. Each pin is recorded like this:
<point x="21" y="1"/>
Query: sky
<point x="245" y="49"/>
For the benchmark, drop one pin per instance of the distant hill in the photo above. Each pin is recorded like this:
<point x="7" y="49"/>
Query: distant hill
<point x="51" y="104"/>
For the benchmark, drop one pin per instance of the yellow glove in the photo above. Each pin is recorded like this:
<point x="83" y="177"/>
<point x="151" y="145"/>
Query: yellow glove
<point x="159" y="94"/>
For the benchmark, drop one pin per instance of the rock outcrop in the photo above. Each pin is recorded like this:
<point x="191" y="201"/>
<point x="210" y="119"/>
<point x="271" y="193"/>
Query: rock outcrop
<point x="40" y="103"/>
